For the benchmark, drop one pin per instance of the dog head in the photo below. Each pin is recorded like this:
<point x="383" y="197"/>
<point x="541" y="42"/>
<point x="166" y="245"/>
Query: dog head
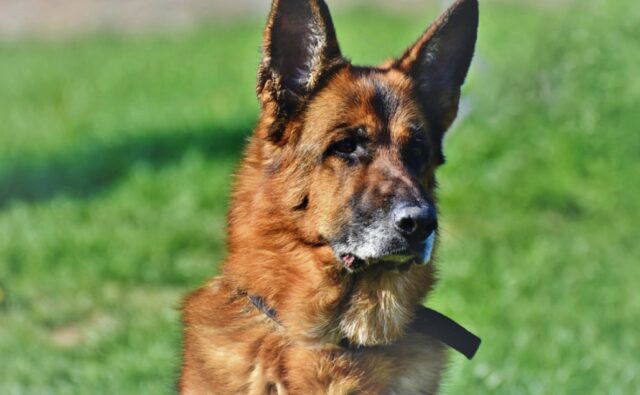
<point x="349" y="153"/>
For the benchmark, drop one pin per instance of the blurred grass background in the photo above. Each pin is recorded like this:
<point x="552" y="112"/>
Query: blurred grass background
<point x="116" y="155"/>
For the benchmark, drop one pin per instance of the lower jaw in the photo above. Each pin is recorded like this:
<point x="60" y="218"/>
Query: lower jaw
<point x="360" y="265"/>
<point x="403" y="267"/>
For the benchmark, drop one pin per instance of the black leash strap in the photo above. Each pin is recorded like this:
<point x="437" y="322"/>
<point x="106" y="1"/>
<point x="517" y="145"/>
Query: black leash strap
<point x="427" y="321"/>
<point x="259" y="303"/>
<point x="443" y="328"/>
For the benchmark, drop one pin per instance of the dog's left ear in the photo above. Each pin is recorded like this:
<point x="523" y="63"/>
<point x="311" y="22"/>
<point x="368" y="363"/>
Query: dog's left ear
<point x="438" y="64"/>
<point x="300" y="47"/>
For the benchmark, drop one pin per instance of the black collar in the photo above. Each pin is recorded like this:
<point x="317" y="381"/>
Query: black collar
<point x="427" y="321"/>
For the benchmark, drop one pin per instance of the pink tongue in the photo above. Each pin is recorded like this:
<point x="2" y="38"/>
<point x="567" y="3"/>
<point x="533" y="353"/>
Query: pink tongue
<point x="348" y="260"/>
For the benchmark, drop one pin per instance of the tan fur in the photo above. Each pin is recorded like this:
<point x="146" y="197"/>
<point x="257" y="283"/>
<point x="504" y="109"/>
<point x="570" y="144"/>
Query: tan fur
<point x="238" y="350"/>
<point x="286" y="204"/>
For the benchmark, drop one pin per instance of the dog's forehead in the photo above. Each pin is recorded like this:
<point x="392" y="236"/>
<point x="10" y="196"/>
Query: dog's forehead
<point x="379" y="100"/>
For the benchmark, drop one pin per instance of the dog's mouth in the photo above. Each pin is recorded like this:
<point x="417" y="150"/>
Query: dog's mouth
<point x="399" y="261"/>
<point x="396" y="260"/>
<point x="352" y="263"/>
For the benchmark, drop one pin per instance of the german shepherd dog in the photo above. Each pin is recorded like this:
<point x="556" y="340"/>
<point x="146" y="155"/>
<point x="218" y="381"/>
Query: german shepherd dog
<point x="333" y="219"/>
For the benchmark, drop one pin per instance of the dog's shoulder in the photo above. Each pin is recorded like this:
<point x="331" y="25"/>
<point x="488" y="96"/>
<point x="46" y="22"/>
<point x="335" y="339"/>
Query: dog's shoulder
<point x="221" y="337"/>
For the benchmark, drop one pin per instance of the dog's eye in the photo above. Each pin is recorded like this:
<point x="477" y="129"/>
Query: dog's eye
<point x="345" y="147"/>
<point x="418" y="152"/>
<point x="417" y="156"/>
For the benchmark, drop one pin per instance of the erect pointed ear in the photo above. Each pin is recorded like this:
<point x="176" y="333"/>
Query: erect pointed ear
<point x="300" y="47"/>
<point x="439" y="61"/>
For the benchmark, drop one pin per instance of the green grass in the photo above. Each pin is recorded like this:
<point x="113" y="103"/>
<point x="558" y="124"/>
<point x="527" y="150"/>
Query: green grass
<point x="116" y="156"/>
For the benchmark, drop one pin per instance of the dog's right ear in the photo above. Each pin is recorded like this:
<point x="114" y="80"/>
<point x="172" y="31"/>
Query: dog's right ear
<point x="300" y="47"/>
<point x="438" y="64"/>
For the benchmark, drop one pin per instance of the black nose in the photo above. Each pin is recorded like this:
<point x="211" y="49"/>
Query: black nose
<point x="415" y="222"/>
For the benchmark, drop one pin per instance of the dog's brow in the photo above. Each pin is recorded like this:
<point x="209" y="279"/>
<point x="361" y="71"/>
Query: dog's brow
<point x="384" y="101"/>
<point x="342" y="125"/>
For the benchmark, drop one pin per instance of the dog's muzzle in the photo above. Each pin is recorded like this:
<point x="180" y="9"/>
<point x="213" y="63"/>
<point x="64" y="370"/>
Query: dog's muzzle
<point x="402" y="260"/>
<point x="397" y="239"/>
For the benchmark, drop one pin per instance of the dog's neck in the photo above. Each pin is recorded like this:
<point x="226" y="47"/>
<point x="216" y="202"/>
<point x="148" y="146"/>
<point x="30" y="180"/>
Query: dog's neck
<point x="427" y="321"/>
<point x="316" y="299"/>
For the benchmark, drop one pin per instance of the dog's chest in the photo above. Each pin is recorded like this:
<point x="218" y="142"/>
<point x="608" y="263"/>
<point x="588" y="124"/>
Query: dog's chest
<point x="417" y="365"/>
<point x="421" y="378"/>
<point x="412" y="366"/>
